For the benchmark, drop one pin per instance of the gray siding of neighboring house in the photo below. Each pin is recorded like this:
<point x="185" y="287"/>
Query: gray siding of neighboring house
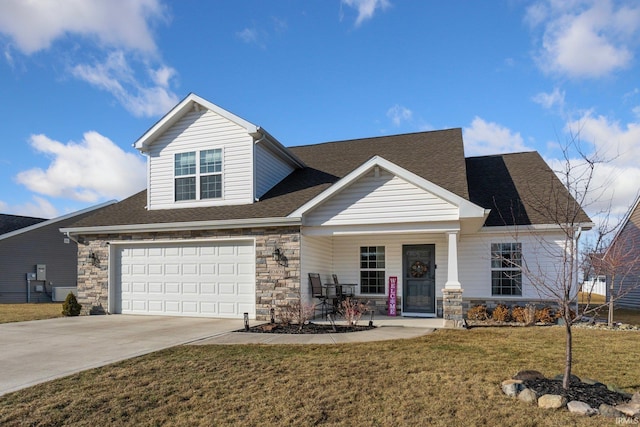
<point x="20" y="253"/>
<point x="629" y="282"/>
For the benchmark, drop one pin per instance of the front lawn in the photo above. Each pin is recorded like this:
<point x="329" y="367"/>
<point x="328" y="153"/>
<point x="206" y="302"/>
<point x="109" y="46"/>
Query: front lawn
<point x="448" y="378"/>
<point x="25" y="312"/>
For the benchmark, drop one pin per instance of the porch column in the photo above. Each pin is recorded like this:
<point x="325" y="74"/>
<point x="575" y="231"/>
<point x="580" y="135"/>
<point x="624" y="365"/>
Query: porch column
<point x="452" y="292"/>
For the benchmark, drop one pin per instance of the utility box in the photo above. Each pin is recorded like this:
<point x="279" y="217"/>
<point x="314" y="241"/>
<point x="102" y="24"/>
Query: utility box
<point x="41" y="272"/>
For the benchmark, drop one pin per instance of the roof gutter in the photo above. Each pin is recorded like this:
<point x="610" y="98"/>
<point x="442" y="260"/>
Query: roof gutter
<point x="181" y="226"/>
<point x="261" y="134"/>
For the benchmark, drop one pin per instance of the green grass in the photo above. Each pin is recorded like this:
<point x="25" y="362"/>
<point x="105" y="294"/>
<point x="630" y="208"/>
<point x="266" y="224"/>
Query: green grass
<point x="448" y="378"/>
<point x="25" y="312"/>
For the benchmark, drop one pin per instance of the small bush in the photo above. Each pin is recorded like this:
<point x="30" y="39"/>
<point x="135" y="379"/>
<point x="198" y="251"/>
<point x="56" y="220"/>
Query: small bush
<point x="543" y="315"/>
<point x="501" y="313"/>
<point x="71" y="307"/>
<point x="558" y="314"/>
<point x="478" y="312"/>
<point x="518" y="314"/>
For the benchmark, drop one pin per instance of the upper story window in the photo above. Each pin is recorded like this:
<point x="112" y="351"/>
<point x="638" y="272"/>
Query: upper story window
<point x="198" y="175"/>
<point x="506" y="269"/>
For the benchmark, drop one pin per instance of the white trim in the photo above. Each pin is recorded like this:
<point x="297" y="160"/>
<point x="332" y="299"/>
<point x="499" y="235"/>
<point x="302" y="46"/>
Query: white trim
<point x="179" y="111"/>
<point x="530" y="228"/>
<point x="54" y="220"/>
<point x="465" y="207"/>
<point x="261" y="136"/>
<point x="181" y="241"/>
<point x="179" y="226"/>
<point x="365" y="229"/>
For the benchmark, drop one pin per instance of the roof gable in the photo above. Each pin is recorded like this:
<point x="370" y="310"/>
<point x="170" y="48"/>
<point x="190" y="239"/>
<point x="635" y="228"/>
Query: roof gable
<point x="191" y="102"/>
<point x="466" y="208"/>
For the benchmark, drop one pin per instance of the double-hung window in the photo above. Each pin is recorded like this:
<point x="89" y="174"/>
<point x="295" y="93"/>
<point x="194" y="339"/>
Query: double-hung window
<point x="372" y="270"/>
<point x="506" y="269"/>
<point x="198" y="175"/>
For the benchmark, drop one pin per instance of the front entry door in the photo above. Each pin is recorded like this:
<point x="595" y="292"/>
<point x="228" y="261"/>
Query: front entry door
<point x="419" y="284"/>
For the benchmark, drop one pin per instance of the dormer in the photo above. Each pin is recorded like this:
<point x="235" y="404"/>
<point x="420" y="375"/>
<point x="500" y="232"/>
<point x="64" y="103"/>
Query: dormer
<point x="202" y="155"/>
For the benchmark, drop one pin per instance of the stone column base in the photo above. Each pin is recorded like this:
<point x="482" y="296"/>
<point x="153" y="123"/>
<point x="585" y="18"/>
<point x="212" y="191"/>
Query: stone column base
<point x="452" y="308"/>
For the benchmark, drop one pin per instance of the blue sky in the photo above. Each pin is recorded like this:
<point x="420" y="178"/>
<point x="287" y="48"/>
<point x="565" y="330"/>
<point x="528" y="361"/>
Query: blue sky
<point x="81" y="80"/>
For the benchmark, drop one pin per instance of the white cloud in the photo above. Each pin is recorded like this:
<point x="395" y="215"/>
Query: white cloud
<point x="550" y="100"/>
<point x="93" y="169"/>
<point x="35" y="25"/>
<point x="399" y="114"/>
<point x="585" y="38"/>
<point x="39" y="207"/>
<point x="118" y="78"/>
<point x="248" y="35"/>
<point x="121" y="28"/>
<point x="366" y="8"/>
<point x="616" y="174"/>
<point x="486" y="138"/>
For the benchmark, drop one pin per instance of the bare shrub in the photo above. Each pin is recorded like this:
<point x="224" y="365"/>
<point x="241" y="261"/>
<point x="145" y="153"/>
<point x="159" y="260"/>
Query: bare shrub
<point x="352" y="310"/>
<point x="543" y="315"/>
<point x="501" y="313"/>
<point x="477" y="312"/>
<point x="295" y="313"/>
<point x="518" y="314"/>
<point x="530" y="317"/>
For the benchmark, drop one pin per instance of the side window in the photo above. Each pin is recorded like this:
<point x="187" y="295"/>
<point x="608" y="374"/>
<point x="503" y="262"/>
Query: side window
<point x="372" y="270"/>
<point x="506" y="269"/>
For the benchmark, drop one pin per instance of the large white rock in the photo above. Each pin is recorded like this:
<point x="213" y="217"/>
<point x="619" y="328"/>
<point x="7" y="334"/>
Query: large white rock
<point x="551" y="401"/>
<point x="580" y="408"/>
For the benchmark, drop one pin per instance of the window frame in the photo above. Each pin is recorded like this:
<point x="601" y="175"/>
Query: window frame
<point x="195" y="175"/>
<point x="506" y="267"/>
<point x="373" y="269"/>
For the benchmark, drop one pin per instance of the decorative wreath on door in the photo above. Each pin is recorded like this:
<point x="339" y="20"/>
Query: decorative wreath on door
<point x="418" y="269"/>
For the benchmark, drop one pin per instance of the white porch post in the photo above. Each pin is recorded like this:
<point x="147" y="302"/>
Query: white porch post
<point x="452" y="270"/>
<point x="452" y="292"/>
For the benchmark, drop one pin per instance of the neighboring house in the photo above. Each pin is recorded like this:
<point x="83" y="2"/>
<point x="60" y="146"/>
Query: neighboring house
<point x="233" y="222"/>
<point x="37" y="262"/>
<point x="622" y="260"/>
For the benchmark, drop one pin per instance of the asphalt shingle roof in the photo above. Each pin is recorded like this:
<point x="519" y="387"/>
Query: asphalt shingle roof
<point x="494" y="182"/>
<point x="9" y="223"/>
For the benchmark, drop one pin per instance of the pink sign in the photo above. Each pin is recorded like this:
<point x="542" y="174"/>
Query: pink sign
<point x="393" y="292"/>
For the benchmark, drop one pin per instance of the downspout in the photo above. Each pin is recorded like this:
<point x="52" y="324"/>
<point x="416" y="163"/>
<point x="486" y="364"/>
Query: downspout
<point x="577" y="238"/>
<point x="255" y="166"/>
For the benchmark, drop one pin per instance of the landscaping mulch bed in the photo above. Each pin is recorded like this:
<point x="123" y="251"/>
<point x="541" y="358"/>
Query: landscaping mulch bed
<point x="310" y="328"/>
<point x="593" y="395"/>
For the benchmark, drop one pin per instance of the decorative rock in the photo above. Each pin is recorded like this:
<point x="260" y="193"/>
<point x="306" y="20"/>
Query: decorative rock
<point x="528" y="396"/>
<point x="609" y="411"/>
<point x="636" y="397"/>
<point x="528" y="375"/>
<point x="551" y="401"/>
<point x="629" y="409"/>
<point x="580" y="408"/>
<point x="512" y="387"/>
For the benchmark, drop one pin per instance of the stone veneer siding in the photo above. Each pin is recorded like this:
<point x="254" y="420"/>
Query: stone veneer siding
<point x="276" y="285"/>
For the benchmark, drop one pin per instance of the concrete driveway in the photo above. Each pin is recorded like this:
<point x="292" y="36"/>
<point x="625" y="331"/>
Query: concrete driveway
<point x="42" y="350"/>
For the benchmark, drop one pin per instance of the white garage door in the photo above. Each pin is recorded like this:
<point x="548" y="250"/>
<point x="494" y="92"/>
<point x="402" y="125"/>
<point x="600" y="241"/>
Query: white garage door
<point x="204" y="279"/>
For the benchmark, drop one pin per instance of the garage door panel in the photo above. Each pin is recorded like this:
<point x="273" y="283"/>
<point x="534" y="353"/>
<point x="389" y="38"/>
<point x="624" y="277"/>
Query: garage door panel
<point x="215" y="279"/>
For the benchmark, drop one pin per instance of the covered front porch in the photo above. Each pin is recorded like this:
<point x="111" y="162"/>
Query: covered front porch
<point x="422" y="265"/>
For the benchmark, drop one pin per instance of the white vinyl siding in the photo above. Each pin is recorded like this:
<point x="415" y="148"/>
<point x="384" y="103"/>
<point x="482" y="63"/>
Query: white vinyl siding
<point x="270" y="170"/>
<point x="195" y="132"/>
<point x="315" y="257"/>
<point x="474" y="261"/>
<point x="346" y="256"/>
<point x="381" y="199"/>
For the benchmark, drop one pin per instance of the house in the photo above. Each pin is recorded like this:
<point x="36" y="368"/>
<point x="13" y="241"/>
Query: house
<point x="233" y="222"/>
<point x="37" y="263"/>
<point x="622" y="261"/>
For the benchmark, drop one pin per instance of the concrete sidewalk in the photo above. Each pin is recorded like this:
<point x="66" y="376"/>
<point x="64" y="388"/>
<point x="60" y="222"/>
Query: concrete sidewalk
<point x="387" y="328"/>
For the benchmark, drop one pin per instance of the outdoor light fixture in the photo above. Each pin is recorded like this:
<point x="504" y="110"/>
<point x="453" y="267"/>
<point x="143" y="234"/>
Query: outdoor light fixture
<point x="277" y="255"/>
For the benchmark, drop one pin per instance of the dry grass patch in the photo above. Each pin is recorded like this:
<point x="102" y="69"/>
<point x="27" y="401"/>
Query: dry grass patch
<point x="446" y="378"/>
<point x="25" y="312"/>
<point x="622" y="315"/>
